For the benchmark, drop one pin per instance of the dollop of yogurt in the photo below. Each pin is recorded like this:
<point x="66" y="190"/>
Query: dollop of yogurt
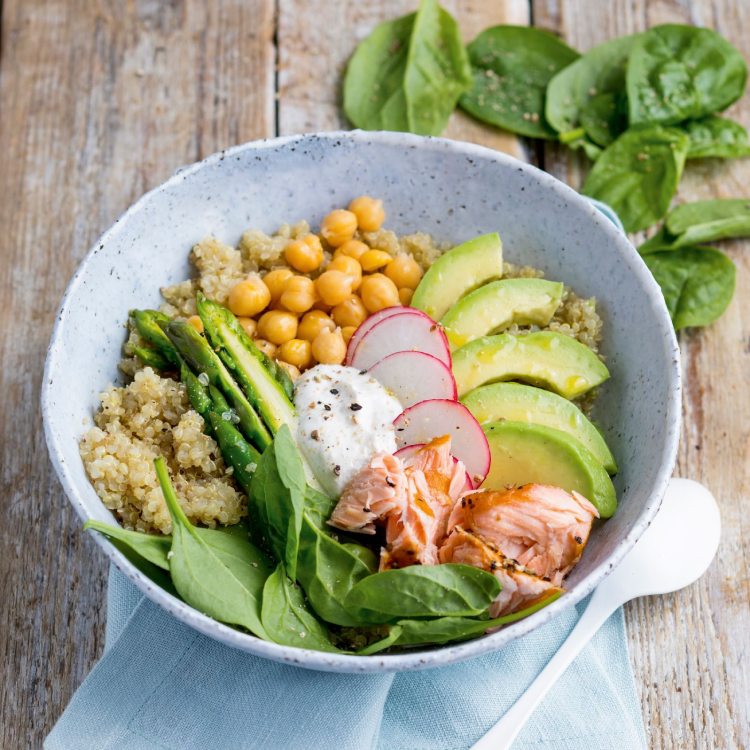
<point x="344" y="417"/>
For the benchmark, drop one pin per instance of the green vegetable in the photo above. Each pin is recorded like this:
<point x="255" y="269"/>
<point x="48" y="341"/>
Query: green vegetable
<point x="716" y="137"/>
<point x="220" y="574"/>
<point x="447" y="629"/>
<point x="679" y="73"/>
<point x="701" y="221"/>
<point x="150" y="324"/>
<point x="408" y="74"/>
<point x="589" y="92"/>
<point x="327" y="571"/>
<point x="422" y="591"/>
<point x="638" y="174"/>
<point x="697" y="283"/>
<point x="512" y="66"/>
<point x="149" y="357"/>
<point x="196" y="391"/>
<point x="276" y="498"/>
<point x="318" y="506"/>
<point x="201" y="358"/>
<point x="261" y="378"/>
<point x="286" y="618"/>
<point x="148" y="546"/>
<point x="237" y="452"/>
<point x="366" y="556"/>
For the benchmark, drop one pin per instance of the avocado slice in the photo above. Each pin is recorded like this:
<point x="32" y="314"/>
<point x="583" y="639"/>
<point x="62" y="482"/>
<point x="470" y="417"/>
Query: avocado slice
<point x="500" y="304"/>
<point x="461" y="269"/>
<point x="525" y="403"/>
<point x="546" y="358"/>
<point x="525" y="453"/>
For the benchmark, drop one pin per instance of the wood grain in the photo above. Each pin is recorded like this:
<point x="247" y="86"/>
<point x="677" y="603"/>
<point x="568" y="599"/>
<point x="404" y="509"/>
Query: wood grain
<point x="103" y="100"/>
<point x="99" y="101"/>
<point x="689" y="650"/>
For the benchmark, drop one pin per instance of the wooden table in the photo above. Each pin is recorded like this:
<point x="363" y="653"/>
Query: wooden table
<point x="100" y="101"/>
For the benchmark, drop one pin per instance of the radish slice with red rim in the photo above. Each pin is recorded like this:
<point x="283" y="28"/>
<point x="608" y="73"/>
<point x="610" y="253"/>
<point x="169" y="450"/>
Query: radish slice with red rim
<point x="373" y="320"/>
<point x="436" y="417"/>
<point x="415" y="376"/>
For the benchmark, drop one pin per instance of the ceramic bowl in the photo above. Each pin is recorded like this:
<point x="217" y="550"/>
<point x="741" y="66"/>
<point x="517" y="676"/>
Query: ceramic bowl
<point x="451" y="190"/>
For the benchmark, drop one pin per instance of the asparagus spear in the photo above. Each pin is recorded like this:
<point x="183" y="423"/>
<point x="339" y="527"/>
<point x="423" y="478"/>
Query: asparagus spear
<point x="149" y="324"/>
<point x="150" y="357"/>
<point x="259" y="376"/>
<point x="196" y="352"/>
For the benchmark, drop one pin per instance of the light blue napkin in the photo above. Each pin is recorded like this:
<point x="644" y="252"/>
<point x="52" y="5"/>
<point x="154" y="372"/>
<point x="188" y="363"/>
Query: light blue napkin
<point x="161" y="685"/>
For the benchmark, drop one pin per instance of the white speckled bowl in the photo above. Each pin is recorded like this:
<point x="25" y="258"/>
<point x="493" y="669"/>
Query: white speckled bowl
<point x="454" y="191"/>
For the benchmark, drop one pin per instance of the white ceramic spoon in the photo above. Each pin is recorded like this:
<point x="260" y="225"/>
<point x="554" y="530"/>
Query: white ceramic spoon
<point x="673" y="552"/>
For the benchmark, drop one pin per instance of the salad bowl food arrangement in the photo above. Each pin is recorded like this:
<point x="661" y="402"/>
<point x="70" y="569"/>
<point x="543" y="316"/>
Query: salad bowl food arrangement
<point x="399" y="433"/>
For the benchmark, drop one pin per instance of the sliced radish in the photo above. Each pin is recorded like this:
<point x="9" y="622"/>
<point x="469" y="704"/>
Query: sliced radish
<point x="406" y="332"/>
<point x="415" y="376"/>
<point x="408" y="451"/>
<point x="373" y="320"/>
<point x="430" y="419"/>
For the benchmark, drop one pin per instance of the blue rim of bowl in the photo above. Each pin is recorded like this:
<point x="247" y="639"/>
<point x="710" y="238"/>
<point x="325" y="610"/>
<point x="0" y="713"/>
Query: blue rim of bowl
<point x="417" y="659"/>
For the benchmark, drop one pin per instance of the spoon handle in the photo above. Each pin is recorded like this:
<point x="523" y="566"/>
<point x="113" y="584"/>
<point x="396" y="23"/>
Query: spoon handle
<point x="604" y="601"/>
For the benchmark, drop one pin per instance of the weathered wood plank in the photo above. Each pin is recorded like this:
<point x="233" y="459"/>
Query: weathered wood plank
<point x="689" y="650"/>
<point x="99" y="102"/>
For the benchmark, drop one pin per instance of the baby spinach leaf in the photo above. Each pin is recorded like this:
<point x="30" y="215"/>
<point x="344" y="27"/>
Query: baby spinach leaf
<point x="511" y="67"/>
<point x="705" y="221"/>
<point x="318" y="506"/>
<point x="680" y="72"/>
<point x="638" y="174"/>
<point x="286" y="617"/>
<point x="408" y="74"/>
<point x="148" y="546"/>
<point x="277" y="497"/>
<point x="422" y="591"/>
<point x="448" y="629"/>
<point x="580" y="94"/>
<point x="697" y="283"/>
<point x="156" y="573"/>
<point x="662" y="240"/>
<point x="364" y="554"/>
<point x="716" y="137"/>
<point x="327" y="572"/>
<point x="220" y="574"/>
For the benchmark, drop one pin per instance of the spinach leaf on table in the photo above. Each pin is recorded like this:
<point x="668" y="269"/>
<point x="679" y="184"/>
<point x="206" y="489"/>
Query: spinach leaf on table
<point x="286" y="618"/>
<point x="422" y="591"/>
<point x="638" y="174"/>
<point x="277" y="497"/>
<point x="150" y="547"/>
<point x="588" y="93"/>
<point x="408" y="74"/>
<point x="327" y="571"/>
<point x="716" y="137"/>
<point x="678" y="72"/>
<point x="511" y="67"/>
<point x="448" y="629"/>
<point x="697" y="283"/>
<point x="220" y="574"/>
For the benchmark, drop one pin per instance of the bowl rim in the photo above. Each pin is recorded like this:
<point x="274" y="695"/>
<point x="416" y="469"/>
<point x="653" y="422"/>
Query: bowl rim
<point x="409" y="660"/>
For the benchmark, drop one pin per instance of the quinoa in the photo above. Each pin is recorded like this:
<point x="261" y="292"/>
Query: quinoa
<point x="136" y="424"/>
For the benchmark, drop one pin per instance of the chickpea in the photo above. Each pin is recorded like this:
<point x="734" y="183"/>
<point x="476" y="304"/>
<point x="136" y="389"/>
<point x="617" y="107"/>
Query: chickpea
<point x="404" y="271"/>
<point x="249" y="325"/>
<point x="405" y="295"/>
<point x="338" y="227"/>
<point x="266" y="347"/>
<point x="196" y="322"/>
<point x="313" y="323"/>
<point x="372" y="260"/>
<point x="277" y="326"/>
<point x="297" y="352"/>
<point x="329" y="347"/>
<point x="276" y="281"/>
<point x="351" y="312"/>
<point x="369" y="212"/>
<point x="350" y="267"/>
<point x="347" y="332"/>
<point x="353" y="248"/>
<point x="305" y="254"/>
<point x="299" y="294"/>
<point x="292" y="371"/>
<point x="249" y="297"/>
<point x="334" y="287"/>
<point x="377" y="292"/>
